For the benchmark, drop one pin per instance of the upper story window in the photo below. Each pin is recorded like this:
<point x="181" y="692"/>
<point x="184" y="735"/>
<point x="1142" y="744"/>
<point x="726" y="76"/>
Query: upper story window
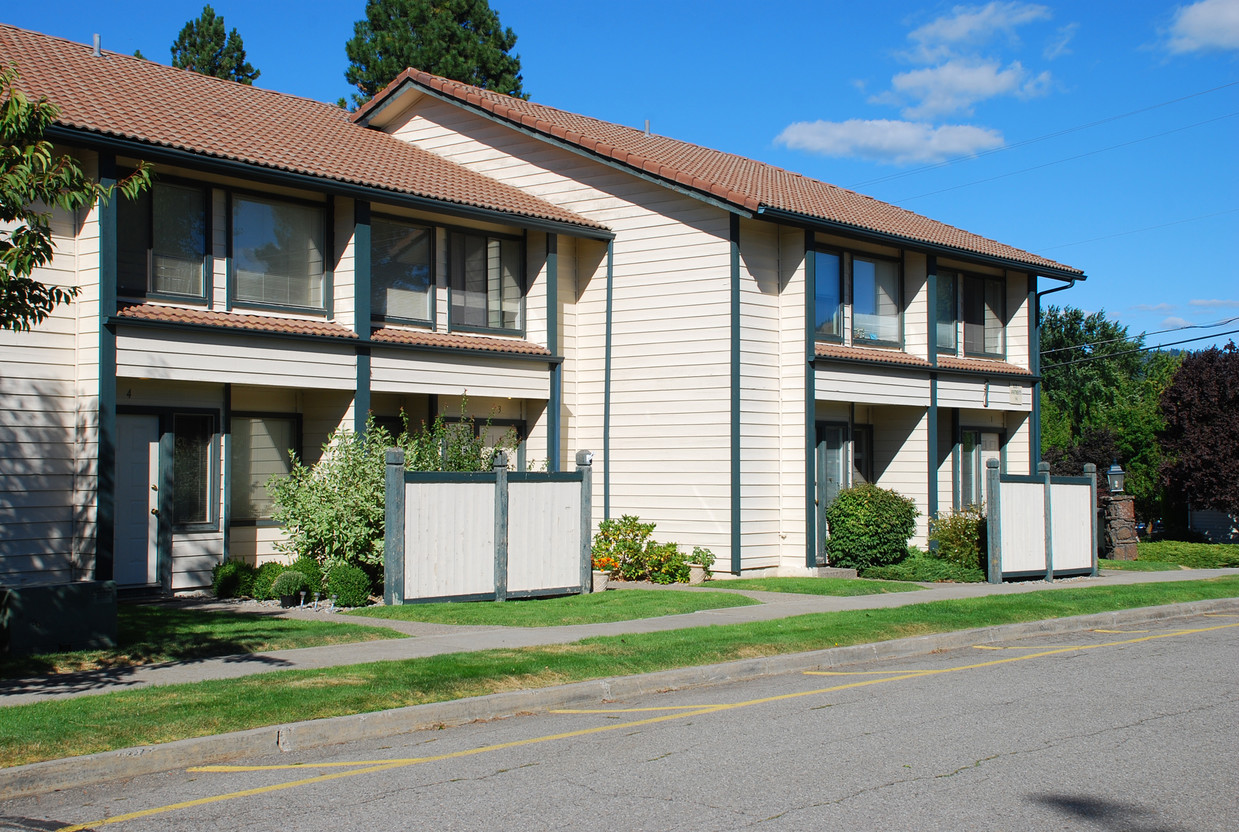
<point x="486" y="277"/>
<point x="401" y="270"/>
<point x="828" y="295"/>
<point x="877" y="302"/>
<point x="979" y="304"/>
<point x="161" y="242"/>
<point x="278" y="252"/>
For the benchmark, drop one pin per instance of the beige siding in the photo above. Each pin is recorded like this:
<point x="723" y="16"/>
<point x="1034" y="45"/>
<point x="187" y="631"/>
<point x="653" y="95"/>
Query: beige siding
<point x="916" y="305"/>
<point x="344" y="284"/>
<point x="900" y="452"/>
<point x="1019" y="316"/>
<point x="1019" y="437"/>
<point x="408" y="371"/>
<point x="871" y="385"/>
<point x="979" y="392"/>
<point x="793" y="420"/>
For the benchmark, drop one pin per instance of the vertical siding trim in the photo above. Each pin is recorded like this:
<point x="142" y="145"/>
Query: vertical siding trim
<point x="394" y="528"/>
<point x="105" y="488"/>
<point x="163" y="537"/>
<point x="734" y="231"/>
<point x="606" y="384"/>
<point x="225" y="500"/>
<point x="554" y="405"/>
<point x="931" y="290"/>
<point x="230" y="278"/>
<point x="1034" y="364"/>
<point x="810" y="411"/>
<point x="361" y="311"/>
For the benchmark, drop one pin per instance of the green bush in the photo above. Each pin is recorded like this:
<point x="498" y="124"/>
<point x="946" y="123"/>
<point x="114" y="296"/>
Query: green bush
<point x="349" y="584"/>
<point x="312" y="571"/>
<point x="289" y="582"/>
<point x="1194" y="555"/>
<point x="625" y="548"/>
<point x="961" y="537"/>
<point x="704" y="558"/>
<point x="919" y="566"/>
<point x="264" y="577"/>
<point x="232" y="579"/>
<point x="869" y="526"/>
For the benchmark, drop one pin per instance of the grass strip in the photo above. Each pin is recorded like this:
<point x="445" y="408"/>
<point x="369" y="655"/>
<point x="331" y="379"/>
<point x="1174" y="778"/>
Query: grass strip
<point x="593" y="608"/>
<point x="88" y="724"/>
<point x="836" y="587"/>
<point x="150" y="634"/>
<point x="1138" y="566"/>
<point x="1193" y="555"/>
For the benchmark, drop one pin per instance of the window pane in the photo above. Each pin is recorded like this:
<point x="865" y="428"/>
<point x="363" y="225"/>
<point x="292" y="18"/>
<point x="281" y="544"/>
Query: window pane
<point x="277" y="251"/>
<point x="179" y="240"/>
<point x="260" y="449"/>
<point x="486" y="281"/>
<point x="400" y="270"/>
<point x="984" y="302"/>
<point x="191" y="468"/>
<point x="133" y="239"/>
<point x="828" y="297"/>
<point x="946" y="311"/>
<point x="875" y="298"/>
<point x="969" y="469"/>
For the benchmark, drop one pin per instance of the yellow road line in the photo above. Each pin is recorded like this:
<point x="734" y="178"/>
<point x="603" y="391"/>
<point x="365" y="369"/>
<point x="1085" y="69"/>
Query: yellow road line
<point x="630" y="710"/>
<point x="851" y="672"/>
<point x="387" y="765"/>
<point x="1118" y="631"/>
<point x="1024" y="646"/>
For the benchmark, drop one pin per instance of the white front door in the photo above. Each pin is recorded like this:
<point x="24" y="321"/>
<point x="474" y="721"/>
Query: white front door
<point x="135" y="553"/>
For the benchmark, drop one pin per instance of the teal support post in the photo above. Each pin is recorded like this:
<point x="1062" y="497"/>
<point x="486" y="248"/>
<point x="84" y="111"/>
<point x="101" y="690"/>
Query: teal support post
<point x="585" y="464"/>
<point x="393" y="533"/>
<point x="994" y="521"/>
<point x="500" y="467"/>
<point x="1043" y="471"/>
<point x="1090" y="471"/>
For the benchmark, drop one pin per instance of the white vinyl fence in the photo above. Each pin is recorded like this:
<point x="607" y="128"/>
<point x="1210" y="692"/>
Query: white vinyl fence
<point x="1041" y="525"/>
<point x="486" y="536"/>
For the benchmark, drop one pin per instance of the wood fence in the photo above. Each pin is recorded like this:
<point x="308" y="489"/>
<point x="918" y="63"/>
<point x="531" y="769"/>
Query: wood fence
<point x="1041" y="525"/>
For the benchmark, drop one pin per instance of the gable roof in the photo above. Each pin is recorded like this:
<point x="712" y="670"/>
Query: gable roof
<point x="745" y="184"/>
<point x="117" y="96"/>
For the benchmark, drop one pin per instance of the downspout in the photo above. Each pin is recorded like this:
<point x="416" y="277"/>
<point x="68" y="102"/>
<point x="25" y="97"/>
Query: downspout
<point x="1034" y="364"/>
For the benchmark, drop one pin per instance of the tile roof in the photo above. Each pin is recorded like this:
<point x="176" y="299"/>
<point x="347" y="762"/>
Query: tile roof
<point x="125" y="97"/>
<point x="828" y="350"/>
<point x="744" y="183"/>
<point x="424" y="338"/>
<point x="158" y="313"/>
<point x="981" y="365"/>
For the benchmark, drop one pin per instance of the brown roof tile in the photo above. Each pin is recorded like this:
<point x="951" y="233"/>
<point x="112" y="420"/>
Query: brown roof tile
<point x="423" y="338"/>
<point x="125" y="97"/>
<point x="981" y="365"/>
<point x="736" y="180"/>
<point x="158" y="313"/>
<point x="828" y="350"/>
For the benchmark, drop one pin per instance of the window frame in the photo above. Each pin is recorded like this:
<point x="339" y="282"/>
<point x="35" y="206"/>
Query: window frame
<point x="983" y="281"/>
<point x="213" y="508"/>
<point x="206" y="191"/>
<point x="899" y="301"/>
<point x="954" y="277"/>
<point x="327" y="217"/>
<point x="453" y="324"/>
<point x="431" y="293"/>
<point x="299" y="447"/>
<point x="840" y="314"/>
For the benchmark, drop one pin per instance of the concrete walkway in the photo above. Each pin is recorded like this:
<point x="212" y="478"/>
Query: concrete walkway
<point x="436" y="639"/>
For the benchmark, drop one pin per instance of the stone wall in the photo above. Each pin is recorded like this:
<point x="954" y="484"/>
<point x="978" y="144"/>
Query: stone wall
<point x="1119" y="537"/>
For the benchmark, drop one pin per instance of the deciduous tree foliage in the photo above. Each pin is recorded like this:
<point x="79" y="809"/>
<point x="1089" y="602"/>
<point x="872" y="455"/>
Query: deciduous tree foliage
<point x="1201" y="436"/>
<point x="458" y="39"/>
<point x="202" y="46"/>
<point x="33" y="182"/>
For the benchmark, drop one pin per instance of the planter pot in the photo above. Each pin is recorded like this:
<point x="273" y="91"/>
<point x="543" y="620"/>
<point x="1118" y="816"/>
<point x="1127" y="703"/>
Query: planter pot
<point x="697" y="574"/>
<point x="600" y="581"/>
<point x="289" y="600"/>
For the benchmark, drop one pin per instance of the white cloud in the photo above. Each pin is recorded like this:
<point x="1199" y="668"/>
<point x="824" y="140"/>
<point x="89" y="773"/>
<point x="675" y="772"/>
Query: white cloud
<point x="1215" y="304"/>
<point x="1205" y="26"/>
<point x="897" y="142"/>
<point x="958" y="84"/>
<point x="1057" y="47"/>
<point x="972" y="26"/>
<point x="1154" y="307"/>
<point x="1174" y="323"/>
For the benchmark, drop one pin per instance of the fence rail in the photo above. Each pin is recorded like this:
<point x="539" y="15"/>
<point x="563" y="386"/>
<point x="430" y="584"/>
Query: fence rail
<point x="486" y="536"/>
<point x="1041" y="525"/>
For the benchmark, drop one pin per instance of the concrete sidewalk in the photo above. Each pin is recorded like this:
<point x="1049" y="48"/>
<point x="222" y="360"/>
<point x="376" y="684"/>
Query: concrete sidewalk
<point x="436" y="639"/>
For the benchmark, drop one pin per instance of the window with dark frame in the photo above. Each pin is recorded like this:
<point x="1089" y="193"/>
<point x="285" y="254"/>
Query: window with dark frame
<point x="984" y="310"/>
<point x="948" y="315"/>
<point x="192" y="468"/>
<point x="278" y="252"/>
<point x="162" y="242"/>
<point x="486" y="278"/>
<point x="401" y="270"/>
<point x="828" y="295"/>
<point x="877" y="303"/>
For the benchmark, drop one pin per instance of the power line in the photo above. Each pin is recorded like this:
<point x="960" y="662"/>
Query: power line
<point x="1142" y="335"/>
<point x="1138" y="230"/>
<point x="1034" y="140"/>
<point x="1130" y="352"/>
<point x="1067" y="159"/>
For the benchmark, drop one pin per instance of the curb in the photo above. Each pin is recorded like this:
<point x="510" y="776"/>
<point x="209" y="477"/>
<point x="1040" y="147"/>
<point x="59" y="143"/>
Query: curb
<point x="107" y="766"/>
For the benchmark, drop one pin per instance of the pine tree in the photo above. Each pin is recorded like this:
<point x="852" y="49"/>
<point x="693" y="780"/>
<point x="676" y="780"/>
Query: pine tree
<point x="458" y="39"/>
<point x="203" y="47"/>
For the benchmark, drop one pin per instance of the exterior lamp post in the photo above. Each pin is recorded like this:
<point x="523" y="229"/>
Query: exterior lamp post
<point x="1114" y="478"/>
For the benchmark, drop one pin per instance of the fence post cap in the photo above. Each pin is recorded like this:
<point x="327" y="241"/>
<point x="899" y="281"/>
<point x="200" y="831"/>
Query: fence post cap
<point x="584" y="459"/>
<point x="1090" y="468"/>
<point x="395" y="456"/>
<point x="1043" y="467"/>
<point x="500" y="460"/>
<point x="991" y="463"/>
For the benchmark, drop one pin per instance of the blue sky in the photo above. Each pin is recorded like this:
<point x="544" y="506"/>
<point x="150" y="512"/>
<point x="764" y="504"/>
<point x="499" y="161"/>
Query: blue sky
<point x="1103" y="134"/>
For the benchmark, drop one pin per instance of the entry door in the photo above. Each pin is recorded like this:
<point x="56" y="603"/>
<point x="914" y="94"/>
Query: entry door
<point x="136" y="547"/>
<point x="830" y="476"/>
<point x="977" y="447"/>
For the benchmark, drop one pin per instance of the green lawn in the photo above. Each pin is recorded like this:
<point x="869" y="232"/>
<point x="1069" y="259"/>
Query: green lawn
<point x="1137" y="566"/>
<point x="594" y="608"/>
<point x="1193" y="555"/>
<point x="158" y="633"/>
<point x="88" y="724"/>
<point x="818" y="586"/>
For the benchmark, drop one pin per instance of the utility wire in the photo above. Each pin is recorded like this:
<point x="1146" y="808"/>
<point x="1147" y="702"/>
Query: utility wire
<point x="1143" y="335"/>
<point x="1034" y="140"/>
<point x="1130" y="352"/>
<point x="1067" y="159"/>
<point x="1138" y="230"/>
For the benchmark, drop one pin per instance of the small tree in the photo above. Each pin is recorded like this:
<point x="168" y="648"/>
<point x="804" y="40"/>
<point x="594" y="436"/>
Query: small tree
<point x="458" y="39"/>
<point x="1201" y="437"/>
<point x="34" y="180"/>
<point x="203" y="47"/>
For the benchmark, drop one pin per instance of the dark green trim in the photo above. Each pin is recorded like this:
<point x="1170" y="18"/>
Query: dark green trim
<point x="810" y="384"/>
<point x="259" y="173"/>
<point x="501" y="526"/>
<point x="606" y="385"/>
<point x="931" y="289"/>
<point x="736" y="503"/>
<point x="167" y="488"/>
<point x="225" y="501"/>
<point x="394" y="528"/>
<point x="554" y="405"/>
<point x="361" y="311"/>
<point x="1034" y="364"/>
<point x="105" y="488"/>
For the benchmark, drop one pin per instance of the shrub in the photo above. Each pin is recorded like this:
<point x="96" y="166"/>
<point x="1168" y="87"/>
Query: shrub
<point x="961" y="537"/>
<point x="289" y="582"/>
<point x="704" y="558"/>
<point x="312" y="571"/>
<point x="869" y="526"/>
<point x="264" y="577"/>
<point x="349" y="584"/>
<point x="232" y="579"/>
<point x="625" y="548"/>
<point x="919" y="566"/>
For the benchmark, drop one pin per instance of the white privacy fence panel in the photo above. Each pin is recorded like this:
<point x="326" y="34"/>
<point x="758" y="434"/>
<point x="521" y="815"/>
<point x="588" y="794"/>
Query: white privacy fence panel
<point x="1041" y="525"/>
<point x="1023" y="527"/>
<point x="1073" y="515"/>
<point x="544" y="535"/>
<point x="449" y="539"/>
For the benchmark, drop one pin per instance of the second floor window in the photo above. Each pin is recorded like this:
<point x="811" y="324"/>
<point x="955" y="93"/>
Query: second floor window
<point x="161" y="242"/>
<point x="401" y="270"/>
<point x="278" y="252"/>
<point x="828" y="296"/>
<point x="486" y="280"/>
<point x="877" y="304"/>
<point x="979" y="304"/>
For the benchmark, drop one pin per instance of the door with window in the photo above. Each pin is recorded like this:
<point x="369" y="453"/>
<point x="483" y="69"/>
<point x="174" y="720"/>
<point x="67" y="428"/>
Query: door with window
<point x="831" y="470"/>
<point x="976" y="448"/>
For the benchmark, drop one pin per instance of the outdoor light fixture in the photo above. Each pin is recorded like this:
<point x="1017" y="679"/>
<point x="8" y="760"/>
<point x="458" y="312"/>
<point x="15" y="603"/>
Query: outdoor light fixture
<point x="1114" y="477"/>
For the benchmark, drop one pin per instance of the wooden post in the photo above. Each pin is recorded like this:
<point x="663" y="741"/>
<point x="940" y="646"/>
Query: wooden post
<point x="585" y="464"/>
<point x="994" y="521"/>
<point x="1043" y="470"/>
<point x="500" y="467"/>
<point x="393" y="530"/>
<point x="1090" y="471"/>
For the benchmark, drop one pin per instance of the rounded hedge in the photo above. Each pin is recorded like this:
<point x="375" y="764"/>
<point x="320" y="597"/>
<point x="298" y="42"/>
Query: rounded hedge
<point x="350" y="585"/>
<point x="265" y="576"/>
<point x="232" y="579"/>
<point x="869" y="526"/>
<point x="289" y="582"/>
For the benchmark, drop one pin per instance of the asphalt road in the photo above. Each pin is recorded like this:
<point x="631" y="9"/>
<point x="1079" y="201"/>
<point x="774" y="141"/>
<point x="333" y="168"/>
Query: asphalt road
<point x="1134" y="730"/>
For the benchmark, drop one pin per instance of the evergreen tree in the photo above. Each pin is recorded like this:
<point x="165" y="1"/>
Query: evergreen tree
<point x="203" y="47"/>
<point x="458" y="39"/>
